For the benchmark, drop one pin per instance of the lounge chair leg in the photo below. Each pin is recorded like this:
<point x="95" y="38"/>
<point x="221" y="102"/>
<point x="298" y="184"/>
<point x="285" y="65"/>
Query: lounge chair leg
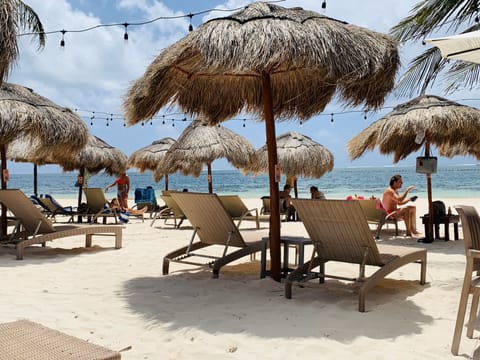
<point x="88" y="240"/>
<point x="166" y="264"/>
<point x="462" y="308"/>
<point x="473" y="315"/>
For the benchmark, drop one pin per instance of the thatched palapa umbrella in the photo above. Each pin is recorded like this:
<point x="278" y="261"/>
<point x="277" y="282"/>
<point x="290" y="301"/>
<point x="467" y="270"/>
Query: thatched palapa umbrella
<point x="200" y="144"/>
<point x="421" y="122"/>
<point x="96" y="156"/>
<point x="148" y="157"/>
<point x="276" y="62"/>
<point x="298" y="155"/>
<point x="25" y="113"/>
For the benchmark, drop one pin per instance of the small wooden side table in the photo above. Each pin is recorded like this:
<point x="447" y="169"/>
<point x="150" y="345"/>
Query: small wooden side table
<point x="446" y="220"/>
<point x="286" y="241"/>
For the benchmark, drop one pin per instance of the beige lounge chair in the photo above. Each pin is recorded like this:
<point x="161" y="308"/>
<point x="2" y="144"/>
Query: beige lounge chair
<point x="32" y="227"/>
<point x="376" y="214"/>
<point x="171" y="212"/>
<point x="339" y="232"/>
<point x="54" y="208"/>
<point x="239" y="211"/>
<point x="213" y="226"/>
<point x="471" y="281"/>
<point x="98" y="205"/>
<point x="24" y="339"/>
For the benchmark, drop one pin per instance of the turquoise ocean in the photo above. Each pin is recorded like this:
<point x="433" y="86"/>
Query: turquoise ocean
<point x="453" y="181"/>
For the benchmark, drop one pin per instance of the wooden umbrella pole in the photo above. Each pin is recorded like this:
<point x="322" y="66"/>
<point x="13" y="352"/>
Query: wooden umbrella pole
<point x="274" y="235"/>
<point x="430" y="235"/>
<point x="35" y="176"/>
<point x="166" y="182"/>
<point x="81" y="174"/>
<point x="3" y="155"/>
<point x="209" y="177"/>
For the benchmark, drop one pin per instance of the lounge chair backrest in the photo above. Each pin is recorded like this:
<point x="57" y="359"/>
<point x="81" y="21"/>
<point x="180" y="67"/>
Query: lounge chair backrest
<point x="172" y="205"/>
<point x="373" y="209"/>
<point x="234" y="205"/>
<point x="24" y="210"/>
<point x="209" y="217"/>
<point x="338" y="230"/>
<point x="96" y="199"/>
<point x="470" y="225"/>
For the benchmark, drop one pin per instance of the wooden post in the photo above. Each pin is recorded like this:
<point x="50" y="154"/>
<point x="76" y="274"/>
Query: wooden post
<point x="209" y="177"/>
<point x="274" y="235"/>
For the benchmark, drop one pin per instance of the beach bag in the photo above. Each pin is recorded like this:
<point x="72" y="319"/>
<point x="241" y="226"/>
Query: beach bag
<point x="124" y="217"/>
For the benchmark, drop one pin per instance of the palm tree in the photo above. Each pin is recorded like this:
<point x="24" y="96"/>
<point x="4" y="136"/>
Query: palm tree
<point x="425" y="19"/>
<point x="15" y="15"/>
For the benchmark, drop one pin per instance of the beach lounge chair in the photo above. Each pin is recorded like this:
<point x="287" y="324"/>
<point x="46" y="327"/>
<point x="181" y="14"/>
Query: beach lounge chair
<point x="32" y="227"/>
<point x="213" y="226"/>
<point x="265" y="210"/>
<point x="171" y="212"/>
<point x="24" y="339"/>
<point x="339" y="232"/>
<point x="377" y="215"/>
<point x="98" y="205"/>
<point x="471" y="281"/>
<point x="53" y="207"/>
<point x="145" y="197"/>
<point x="239" y="211"/>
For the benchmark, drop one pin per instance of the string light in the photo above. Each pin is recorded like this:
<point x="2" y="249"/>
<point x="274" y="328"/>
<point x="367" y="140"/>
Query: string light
<point x="324" y="4"/>
<point x="125" y="35"/>
<point x="180" y="116"/>
<point x="62" y="42"/>
<point x="190" y="27"/>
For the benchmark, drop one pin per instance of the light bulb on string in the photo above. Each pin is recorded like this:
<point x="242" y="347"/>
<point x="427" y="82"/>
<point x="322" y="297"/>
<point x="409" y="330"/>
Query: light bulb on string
<point x="365" y="115"/>
<point x="324" y="4"/>
<point x="62" y="42"/>
<point x="173" y="122"/>
<point x="143" y="123"/>
<point x="125" y="35"/>
<point x="243" y="123"/>
<point x="92" y="117"/>
<point x="190" y="27"/>
<point x="163" y="121"/>
<point x="331" y="117"/>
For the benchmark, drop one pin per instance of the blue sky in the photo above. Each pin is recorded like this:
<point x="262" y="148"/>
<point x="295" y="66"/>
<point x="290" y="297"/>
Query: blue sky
<point x="94" y="70"/>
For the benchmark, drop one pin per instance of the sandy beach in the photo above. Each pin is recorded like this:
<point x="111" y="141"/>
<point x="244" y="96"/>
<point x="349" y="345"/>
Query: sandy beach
<point x="119" y="299"/>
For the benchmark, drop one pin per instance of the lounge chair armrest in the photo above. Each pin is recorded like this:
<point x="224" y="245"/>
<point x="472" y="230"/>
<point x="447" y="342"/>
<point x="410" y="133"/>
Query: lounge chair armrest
<point x="473" y="253"/>
<point x="391" y="215"/>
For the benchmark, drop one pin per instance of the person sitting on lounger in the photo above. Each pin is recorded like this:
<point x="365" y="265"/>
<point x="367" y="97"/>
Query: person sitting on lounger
<point x="316" y="194"/>
<point x="392" y="201"/>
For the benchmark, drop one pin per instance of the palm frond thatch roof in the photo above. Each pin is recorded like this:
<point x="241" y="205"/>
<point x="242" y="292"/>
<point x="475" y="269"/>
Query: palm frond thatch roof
<point x="453" y="128"/>
<point x="24" y="112"/>
<point x="216" y="70"/>
<point x="96" y="156"/>
<point x="148" y="157"/>
<point x="200" y="144"/>
<point x="298" y="155"/>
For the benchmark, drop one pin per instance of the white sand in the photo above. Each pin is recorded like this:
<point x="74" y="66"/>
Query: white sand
<point x="119" y="298"/>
